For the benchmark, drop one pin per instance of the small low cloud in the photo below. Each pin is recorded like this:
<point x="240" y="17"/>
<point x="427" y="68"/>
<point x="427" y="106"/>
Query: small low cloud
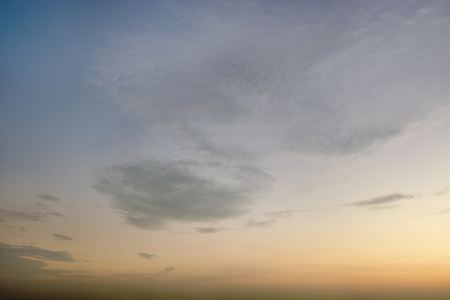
<point x="387" y="199"/>
<point x="147" y="256"/>
<point x="62" y="237"/>
<point x="48" y="197"/>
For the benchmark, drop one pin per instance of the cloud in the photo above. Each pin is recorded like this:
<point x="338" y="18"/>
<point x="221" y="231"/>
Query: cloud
<point x="38" y="212"/>
<point x="62" y="237"/>
<point x="150" y="193"/>
<point x="274" y="216"/>
<point x="282" y="214"/>
<point x="146" y="275"/>
<point x="208" y="229"/>
<point x="387" y="199"/>
<point x="262" y="224"/>
<point x="444" y="191"/>
<point x="296" y="76"/>
<point x="147" y="256"/>
<point x="232" y="84"/>
<point x="164" y="272"/>
<point x="48" y="197"/>
<point x="29" y="260"/>
<point x="444" y="211"/>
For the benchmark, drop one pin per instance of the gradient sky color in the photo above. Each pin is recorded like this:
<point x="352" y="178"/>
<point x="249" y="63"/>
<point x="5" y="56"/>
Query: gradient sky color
<point x="212" y="144"/>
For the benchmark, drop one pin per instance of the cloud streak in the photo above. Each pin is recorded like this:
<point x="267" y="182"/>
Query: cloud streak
<point x="62" y="237"/>
<point x="48" y="197"/>
<point x="387" y="199"/>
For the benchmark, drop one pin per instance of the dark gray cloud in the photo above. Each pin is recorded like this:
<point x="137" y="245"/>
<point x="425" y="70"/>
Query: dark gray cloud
<point x="48" y="197"/>
<point x="150" y="193"/>
<point x="387" y="199"/>
<point x="37" y="212"/>
<point x="147" y="256"/>
<point x="62" y="237"/>
<point x="29" y="260"/>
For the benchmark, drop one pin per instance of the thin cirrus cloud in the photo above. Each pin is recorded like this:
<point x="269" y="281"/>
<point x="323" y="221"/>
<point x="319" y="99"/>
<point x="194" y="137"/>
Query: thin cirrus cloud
<point x="378" y="201"/>
<point x="234" y="83"/>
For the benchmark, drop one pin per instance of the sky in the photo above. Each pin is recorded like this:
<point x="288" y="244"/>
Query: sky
<point x="225" y="144"/>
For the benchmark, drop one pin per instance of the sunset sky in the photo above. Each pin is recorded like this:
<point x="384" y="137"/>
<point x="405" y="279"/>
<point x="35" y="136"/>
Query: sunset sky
<point x="226" y="144"/>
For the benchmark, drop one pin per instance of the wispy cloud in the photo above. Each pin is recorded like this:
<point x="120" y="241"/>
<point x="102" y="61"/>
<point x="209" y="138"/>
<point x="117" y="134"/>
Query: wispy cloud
<point x="294" y="75"/>
<point x="48" y="197"/>
<point x="444" y="211"/>
<point x="220" y="94"/>
<point x="444" y="191"/>
<point x="387" y="199"/>
<point x="37" y="212"/>
<point x="263" y="224"/>
<point x="62" y="237"/>
<point x="147" y="256"/>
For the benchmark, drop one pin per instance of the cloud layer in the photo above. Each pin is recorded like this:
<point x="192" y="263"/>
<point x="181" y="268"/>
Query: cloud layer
<point x="332" y="79"/>
<point x="228" y="83"/>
